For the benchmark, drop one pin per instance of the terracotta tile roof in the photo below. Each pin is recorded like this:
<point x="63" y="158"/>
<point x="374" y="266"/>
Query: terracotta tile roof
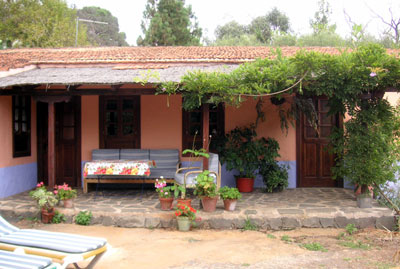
<point x="17" y="58"/>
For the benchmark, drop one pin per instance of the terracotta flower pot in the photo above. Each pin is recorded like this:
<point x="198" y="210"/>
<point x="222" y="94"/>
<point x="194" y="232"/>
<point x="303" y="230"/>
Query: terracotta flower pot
<point x="245" y="184"/>
<point x="230" y="204"/>
<point x="187" y="202"/>
<point x="166" y="203"/>
<point x="68" y="203"/>
<point x="209" y="203"/>
<point x="184" y="223"/>
<point x="47" y="216"/>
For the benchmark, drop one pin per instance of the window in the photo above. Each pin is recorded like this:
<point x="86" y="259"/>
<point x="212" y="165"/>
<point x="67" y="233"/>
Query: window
<point x="192" y="127"/>
<point x="21" y="125"/>
<point x="120" y="121"/>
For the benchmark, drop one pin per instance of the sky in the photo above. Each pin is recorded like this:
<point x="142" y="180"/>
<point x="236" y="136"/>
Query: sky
<point x="211" y="13"/>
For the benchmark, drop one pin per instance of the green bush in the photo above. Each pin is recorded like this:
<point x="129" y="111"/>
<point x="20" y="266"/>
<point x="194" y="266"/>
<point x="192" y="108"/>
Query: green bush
<point x="83" y="218"/>
<point x="58" y="217"/>
<point x="275" y="176"/>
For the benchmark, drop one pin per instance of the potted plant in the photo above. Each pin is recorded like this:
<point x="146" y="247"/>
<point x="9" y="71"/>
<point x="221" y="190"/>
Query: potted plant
<point x="244" y="152"/>
<point x="185" y="215"/>
<point x="165" y="193"/>
<point x="206" y="189"/>
<point x="46" y="201"/>
<point x="229" y="196"/>
<point x="180" y="194"/>
<point x="65" y="194"/>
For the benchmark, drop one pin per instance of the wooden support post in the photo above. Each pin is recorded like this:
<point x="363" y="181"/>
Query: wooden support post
<point x="51" y="146"/>
<point x="206" y="131"/>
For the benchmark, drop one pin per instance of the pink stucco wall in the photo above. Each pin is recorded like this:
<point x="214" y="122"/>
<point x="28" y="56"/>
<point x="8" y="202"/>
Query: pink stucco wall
<point x="161" y="124"/>
<point x="6" y="156"/>
<point x="90" y="126"/>
<point x="271" y="127"/>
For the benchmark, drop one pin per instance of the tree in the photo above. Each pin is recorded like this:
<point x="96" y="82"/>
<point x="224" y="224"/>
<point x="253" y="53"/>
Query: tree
<point x="259" y="32"/>
<point x="169" y="23"/>
<point x="101" y="34"/>
<point x="265" y="26"/>
<point x="231" y="29"/>
<point x="278" y="21"/>
<point x="320" y="23"/>
<point x="38" y="23"/>
<point x="324" y="33"/>
<point x="393" y="32"/>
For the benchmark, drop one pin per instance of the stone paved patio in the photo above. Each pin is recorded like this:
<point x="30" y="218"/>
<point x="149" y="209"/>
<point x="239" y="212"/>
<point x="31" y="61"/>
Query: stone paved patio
<point x="303" y="207"/>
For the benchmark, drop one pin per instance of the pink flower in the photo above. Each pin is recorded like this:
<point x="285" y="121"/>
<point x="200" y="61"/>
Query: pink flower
<point x="373" y="74"/>
<point x="38" y="185"/>
<point x="55" y="192"/>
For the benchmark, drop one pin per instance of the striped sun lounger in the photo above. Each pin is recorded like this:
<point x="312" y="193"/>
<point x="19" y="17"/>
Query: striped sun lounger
<point x="12" y="260"/>
<point x="63" y="247"/>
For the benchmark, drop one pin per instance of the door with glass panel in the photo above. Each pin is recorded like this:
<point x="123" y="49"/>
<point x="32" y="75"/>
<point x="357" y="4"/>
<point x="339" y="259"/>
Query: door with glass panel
<point x="120" y="122"/>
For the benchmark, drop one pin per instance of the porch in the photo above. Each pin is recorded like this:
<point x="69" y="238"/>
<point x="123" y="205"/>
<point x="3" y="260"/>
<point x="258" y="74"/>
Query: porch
<point x="292" y="208"/>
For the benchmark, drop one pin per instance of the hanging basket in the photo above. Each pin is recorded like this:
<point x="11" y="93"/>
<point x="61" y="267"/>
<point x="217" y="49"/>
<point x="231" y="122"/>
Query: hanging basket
<point x="277" y="101"/>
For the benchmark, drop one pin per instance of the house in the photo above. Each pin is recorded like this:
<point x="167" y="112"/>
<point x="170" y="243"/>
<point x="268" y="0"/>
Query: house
<point x="57" y="105"/>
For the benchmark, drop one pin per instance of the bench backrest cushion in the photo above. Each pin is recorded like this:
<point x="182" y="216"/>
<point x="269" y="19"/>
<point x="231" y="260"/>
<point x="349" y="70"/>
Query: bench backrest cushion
<point x="165" y="158"/>
<point x="105" y="154"/>
<point x="134" y="154"/>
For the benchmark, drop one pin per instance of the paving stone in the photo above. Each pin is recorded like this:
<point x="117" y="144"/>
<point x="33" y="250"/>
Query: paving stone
<point x="313" y="222"/>
<point x="290" y="223"/>
<point x="130" y="222"/>
<point x="274" y="223"/>
<point x="341" y="222"/>
<point x="250" y="212"/>
<point x="108" y="221"/>
<point x="321" y="210"/>
<point x="366" y="222"/>
<point x="152" y="223"/>
<point x="386" y="222"/>
<point x="219" y="223"/>
<point x="133" y="210"/>
<point x="284" y="211"/>
<point x="308" y="205"/>
<point x="327" y="222"/>
<point x="167" y="223"/>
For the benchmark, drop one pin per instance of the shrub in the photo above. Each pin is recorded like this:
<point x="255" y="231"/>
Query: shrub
<point x="83" y="218"/>
<point x="58" y="217"/>
<point x="275" y="176"/>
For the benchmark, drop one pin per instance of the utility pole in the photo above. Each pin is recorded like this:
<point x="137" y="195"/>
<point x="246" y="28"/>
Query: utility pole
<point x="77" y="27"/>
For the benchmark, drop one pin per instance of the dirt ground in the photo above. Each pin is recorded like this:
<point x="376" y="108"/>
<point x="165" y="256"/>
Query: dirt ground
<point x="160" y="248"/>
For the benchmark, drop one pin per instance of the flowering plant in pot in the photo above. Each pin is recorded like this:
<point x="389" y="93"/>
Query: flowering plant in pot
<point x="165" y="193"/>
<point x="46" y="201"/>
<point x="206" y="189"/>
<point x="229" y="196"/>
<point x="185" y="215"/>
<point x="65" y="193"/>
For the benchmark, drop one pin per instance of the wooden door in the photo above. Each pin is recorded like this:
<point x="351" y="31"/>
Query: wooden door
<point x="120" y="122"/>
<point x="192" y="127"/>
<point x="313" y="148"/>
<point x="67" y="142"/>
<point x="67" y="138"/>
